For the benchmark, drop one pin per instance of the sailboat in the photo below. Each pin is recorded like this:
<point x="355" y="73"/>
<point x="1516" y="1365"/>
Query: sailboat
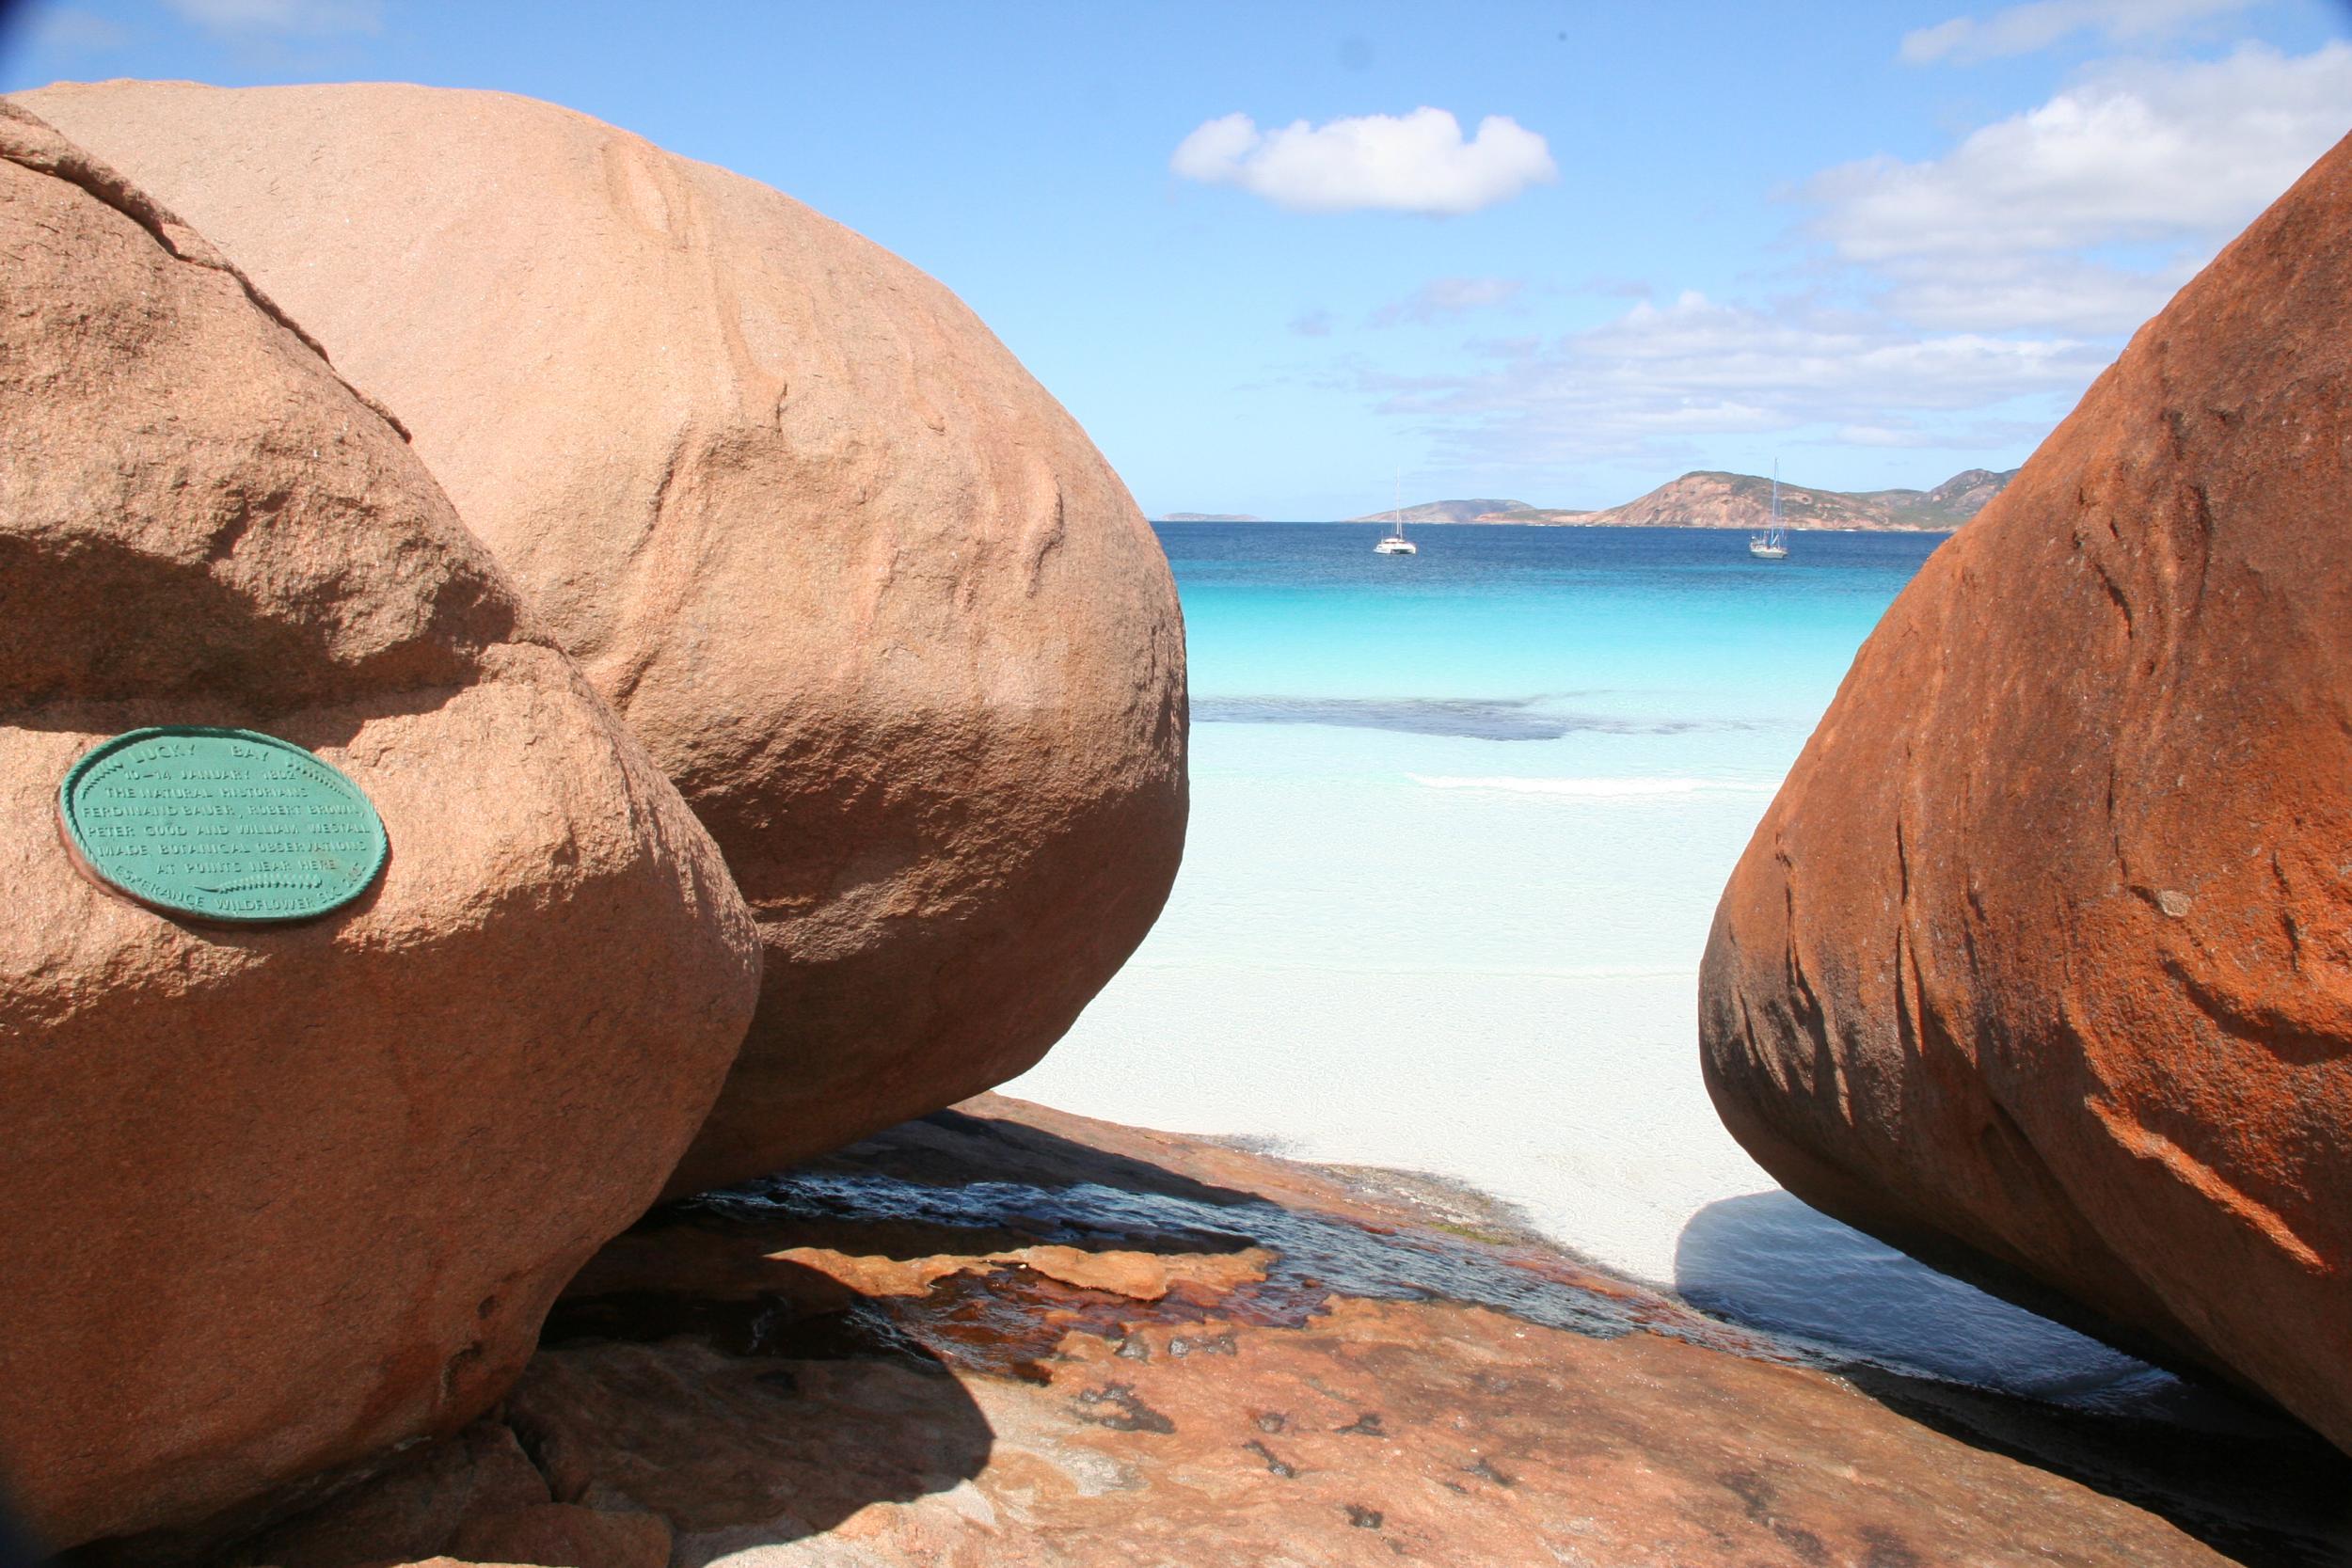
<point x="1773" y="544"/>
<point x="1393" y="542"/>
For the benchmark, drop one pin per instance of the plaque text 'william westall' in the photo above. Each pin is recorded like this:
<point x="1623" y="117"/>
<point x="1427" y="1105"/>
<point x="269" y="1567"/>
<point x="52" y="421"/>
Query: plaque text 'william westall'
<point x="221" y="824"/>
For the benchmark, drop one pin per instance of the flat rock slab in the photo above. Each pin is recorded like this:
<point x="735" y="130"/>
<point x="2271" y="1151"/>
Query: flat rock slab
<point x="1382" y="1431"/>
<point x="889" y="1359"/>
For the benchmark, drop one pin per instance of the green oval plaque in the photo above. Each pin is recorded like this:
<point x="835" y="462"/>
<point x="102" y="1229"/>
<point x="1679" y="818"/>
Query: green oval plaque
<point x="221" y="824"/>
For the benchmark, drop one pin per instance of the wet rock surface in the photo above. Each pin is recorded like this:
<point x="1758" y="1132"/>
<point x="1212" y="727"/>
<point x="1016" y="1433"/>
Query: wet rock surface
<point x="887" y="1359"/>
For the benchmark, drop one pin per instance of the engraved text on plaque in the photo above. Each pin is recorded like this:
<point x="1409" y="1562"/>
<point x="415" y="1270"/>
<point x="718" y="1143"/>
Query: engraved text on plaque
<point x="221" y="824"/>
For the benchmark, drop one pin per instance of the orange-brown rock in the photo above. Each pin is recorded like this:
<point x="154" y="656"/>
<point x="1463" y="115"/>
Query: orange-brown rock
<point x="861" y="585"/>
<point x="566" y="1535"/>
<point x="272" y="1197"/>
<point x="1324" y="1405"/>
<point x="1381" y="1432"/>
<point x="415" y="1506"/>
<point x="1138" y="1275"/>
<point x="2040" y="965"/>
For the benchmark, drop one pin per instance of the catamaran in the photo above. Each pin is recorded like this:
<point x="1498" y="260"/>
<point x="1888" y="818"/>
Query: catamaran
<point x="1773" y="544"/>
<point x="1394" y="542"/>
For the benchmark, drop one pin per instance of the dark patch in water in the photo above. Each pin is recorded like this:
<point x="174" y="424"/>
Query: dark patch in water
<point x="1471" y="717"/>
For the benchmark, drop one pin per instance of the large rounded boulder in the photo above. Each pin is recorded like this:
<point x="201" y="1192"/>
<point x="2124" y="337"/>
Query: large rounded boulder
<point x="275" y="1197"/>
<point x="863" y="588"/>
<point x="2040" y="965"/>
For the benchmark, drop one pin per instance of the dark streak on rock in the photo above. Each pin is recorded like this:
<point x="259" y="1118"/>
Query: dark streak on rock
<point x="1126" y="1412"/>
<point x="1278" y="1466"/>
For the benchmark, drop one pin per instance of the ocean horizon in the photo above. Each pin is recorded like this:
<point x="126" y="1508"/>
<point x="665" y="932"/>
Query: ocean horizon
<point x="1459" y="824"/>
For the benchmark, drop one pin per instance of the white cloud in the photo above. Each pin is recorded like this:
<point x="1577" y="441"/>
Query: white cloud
<point x="2025" y="29"/>
<point x="1416" y="163"/>
<point x="2056" y="293"/>
<point x="1443" y="298"/>
<point x="1312" y="324"/>
<point x="1695" y="367"/>
<point x="1895" y="433"/>
<point x="1983" y="289"/>
<point x="296" y="17"/>
<point x="1969" y="435"/>
<point x="2155" y="165"/>
<point x="2138" y="152"/>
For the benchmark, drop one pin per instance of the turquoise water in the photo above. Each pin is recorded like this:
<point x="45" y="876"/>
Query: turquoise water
<point x="1649" y="626"/>
<point x="1460" y="823"/>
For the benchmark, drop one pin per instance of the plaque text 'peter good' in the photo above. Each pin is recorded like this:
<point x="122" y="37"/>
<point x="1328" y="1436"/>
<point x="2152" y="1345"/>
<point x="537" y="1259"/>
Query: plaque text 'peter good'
<point x="221" y="824"/>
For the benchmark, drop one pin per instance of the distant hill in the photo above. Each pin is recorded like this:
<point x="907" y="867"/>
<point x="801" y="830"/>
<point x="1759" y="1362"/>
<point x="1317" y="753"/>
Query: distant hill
<point x="1707" y="499"/>
<point x="1949" y="504"/>
<point x="1451" y="512"/>
<point x="1208" y="518"/>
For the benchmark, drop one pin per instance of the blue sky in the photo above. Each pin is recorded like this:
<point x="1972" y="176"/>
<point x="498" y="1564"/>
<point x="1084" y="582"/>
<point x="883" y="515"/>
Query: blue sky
<point x="1881" y="242"/>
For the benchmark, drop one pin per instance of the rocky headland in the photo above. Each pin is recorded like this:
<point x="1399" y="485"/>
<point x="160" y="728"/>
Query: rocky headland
<point x="1708" y="499"/>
